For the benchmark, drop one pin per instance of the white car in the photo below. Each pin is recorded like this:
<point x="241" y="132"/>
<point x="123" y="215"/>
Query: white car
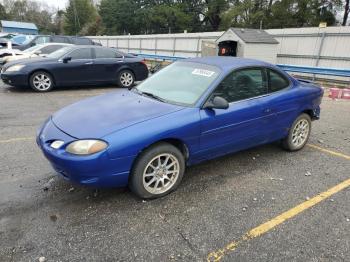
<point x="35" y="51"/>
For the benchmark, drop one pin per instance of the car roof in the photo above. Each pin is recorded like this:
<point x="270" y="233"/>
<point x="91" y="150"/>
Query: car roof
<point x="93" y="46"/>
<point x="54" y="43"/>
<point x="226" y="63"/>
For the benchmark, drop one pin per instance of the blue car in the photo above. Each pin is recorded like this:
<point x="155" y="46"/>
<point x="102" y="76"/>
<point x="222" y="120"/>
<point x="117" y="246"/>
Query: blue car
<point x="190" y="111"/>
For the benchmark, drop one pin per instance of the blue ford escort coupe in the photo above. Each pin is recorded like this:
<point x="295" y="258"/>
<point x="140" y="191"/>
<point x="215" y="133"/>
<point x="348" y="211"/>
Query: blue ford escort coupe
<point x="191" y="111"/>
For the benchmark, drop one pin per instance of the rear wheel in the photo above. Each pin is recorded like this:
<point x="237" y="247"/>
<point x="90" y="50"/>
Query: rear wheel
<point x="298" y="134"/>
<point x="126" y="78"/>
<point x="158" y="171"/>
<point x="41" y="81"/>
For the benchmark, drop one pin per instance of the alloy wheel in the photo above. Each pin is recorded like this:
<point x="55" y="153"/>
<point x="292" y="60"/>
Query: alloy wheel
<point x="300" y="132"/>
<point x="126" y="79"/>
<point x="161" y="173"/>
<point x="42" y="82"/>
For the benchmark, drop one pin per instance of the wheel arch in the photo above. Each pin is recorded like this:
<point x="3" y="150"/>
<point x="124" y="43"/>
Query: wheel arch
<point x="124" y="67"/>
<point x="311" y="113"/>
<point x="178" y="143"/>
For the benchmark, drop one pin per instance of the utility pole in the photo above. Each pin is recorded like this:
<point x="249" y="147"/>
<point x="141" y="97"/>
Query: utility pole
<point x="346" y="12"/>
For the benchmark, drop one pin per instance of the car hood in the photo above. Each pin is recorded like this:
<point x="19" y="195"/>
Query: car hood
<point x="30" y="61"/>
<point x="102" y="115"/>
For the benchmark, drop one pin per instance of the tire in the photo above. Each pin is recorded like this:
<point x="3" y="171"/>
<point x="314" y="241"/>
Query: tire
<point x="148" y="175"/>
<point x="126" y="79"/>
<point x="41" y="81"/>
<point x="298" y="134"/>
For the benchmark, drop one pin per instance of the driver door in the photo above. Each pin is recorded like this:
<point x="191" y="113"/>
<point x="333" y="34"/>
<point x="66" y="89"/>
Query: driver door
<point x="243" y="124"/>
<point x="79" y="70"/>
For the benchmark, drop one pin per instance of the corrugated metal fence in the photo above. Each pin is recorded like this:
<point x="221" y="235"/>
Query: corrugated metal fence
<point x="183" y="45"/>
<point x="312" y="47"/>
<point x="321" y="47"/>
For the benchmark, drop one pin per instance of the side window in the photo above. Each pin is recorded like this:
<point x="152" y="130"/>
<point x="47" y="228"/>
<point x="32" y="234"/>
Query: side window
<point x="42" y="40"/>
<point x="83" y="53"/>
<point x="106" y="53"/>
<point x="277" y="81"/>
<point x="59" y="39"/>
<point x="81" y="41"/>
<point x="243" y="84"/>
<point x="49" y="49"/>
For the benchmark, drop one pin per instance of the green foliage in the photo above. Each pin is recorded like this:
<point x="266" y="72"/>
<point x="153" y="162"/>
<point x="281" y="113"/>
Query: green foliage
<point x="280" y="13"/>
<point x="115" y="17"/>
<point x="28" y="11"/>
<point x="3" y="14"/>
<point x="134" y="17"/>
<point x="79" y="13"/>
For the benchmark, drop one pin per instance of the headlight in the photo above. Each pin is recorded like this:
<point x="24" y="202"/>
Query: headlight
<point x="14" y="68"/>
<point x="86" y="147"/>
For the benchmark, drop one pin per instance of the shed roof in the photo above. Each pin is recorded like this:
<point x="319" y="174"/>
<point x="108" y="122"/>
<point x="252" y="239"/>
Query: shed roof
<point x="254" y="36"/>
<point x="15" y="24"/>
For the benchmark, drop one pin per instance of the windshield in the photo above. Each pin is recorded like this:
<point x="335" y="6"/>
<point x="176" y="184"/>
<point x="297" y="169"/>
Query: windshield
<point x="60" y="52"/>
<point x="22" y="39"/>
<point x="180" y="83"/>
<point x="33" y="48"/>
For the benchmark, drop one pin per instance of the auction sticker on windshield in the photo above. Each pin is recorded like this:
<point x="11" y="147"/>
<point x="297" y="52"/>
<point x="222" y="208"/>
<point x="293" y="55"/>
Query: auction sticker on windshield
<point x="203" y="72"/>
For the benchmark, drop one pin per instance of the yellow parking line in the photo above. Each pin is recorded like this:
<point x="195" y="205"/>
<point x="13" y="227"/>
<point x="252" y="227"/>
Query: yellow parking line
<point x="329" y="151"/>
<point x="16" y="139"/>
<point x="262" y="229"/>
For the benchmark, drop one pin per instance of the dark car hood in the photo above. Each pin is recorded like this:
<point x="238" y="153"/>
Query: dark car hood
<point x="99" y="116"/>
<point x="30" y="61"/>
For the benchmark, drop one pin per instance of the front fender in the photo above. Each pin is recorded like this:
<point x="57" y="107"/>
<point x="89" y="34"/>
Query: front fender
<point x="183" y="125"/>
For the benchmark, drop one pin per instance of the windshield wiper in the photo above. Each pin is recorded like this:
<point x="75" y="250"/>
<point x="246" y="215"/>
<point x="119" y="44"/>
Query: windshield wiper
<point x="135" y="89"/>
<point x="153" y="96"/>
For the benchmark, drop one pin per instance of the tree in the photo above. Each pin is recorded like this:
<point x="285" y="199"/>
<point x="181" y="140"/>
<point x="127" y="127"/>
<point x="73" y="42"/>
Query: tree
<point x="3" y="14"/>
<point x="30" y="11"/>
<point x="58" y="22"/>
<point x="78" y="14"/>
<point x="120" y="16"/>
<point x="279" y="13"/>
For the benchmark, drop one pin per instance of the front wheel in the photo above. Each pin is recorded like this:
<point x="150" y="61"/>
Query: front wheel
<point x="126" y="79"/>
<point x="298" y="134"/>
<point x="41" y="81"/>
<point x="157" y="171"/>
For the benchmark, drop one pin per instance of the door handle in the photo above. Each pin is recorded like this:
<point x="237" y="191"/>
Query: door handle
<point x="267" y="110"/>
<point x="88" y="63"/>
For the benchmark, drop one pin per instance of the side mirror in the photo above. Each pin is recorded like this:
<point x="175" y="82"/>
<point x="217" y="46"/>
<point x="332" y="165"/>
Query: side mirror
<point x="66" y="59"/>
<point x="217" y="102"/>
<point x="37" y="52"/>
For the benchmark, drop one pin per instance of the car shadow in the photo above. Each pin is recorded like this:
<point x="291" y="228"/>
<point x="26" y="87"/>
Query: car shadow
<point x="197" y="178"/>
<point x="13" y="89"/>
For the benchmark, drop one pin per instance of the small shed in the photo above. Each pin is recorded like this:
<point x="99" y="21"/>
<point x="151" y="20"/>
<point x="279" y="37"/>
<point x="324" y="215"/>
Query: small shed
<point x="247" y="43"/>
<point x="19" y="27"/>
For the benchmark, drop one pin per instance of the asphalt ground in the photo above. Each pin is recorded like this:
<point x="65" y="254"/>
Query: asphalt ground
<point x="255" y="205"/>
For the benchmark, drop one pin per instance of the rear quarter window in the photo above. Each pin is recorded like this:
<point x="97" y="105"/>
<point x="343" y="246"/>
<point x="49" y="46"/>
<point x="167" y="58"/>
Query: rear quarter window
<point x="60" y="39"/>
<point x="277" y="81"/>
<point x="81" y="41"/>
<point x="106" y="53"/>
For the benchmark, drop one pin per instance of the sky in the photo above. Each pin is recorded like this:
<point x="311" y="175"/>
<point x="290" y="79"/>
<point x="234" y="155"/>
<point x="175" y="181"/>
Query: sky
<point x="61" y="4"/>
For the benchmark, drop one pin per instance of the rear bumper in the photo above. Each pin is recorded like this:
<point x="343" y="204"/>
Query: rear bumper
<point x="97" y="170"/>
<point x="14" y="79"/>
<point x="142" y="73"/>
